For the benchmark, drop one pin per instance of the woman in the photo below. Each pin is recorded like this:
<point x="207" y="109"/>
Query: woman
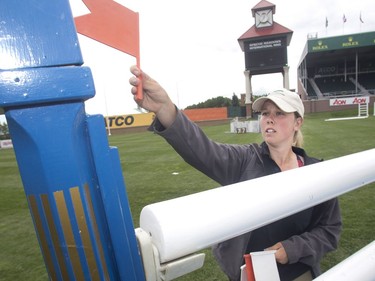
<point x="300" y="240"/>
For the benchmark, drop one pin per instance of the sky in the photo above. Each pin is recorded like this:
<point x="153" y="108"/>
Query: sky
<point x="190" y="47"/>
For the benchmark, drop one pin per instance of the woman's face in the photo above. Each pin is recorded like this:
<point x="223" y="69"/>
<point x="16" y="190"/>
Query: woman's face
<point x="277" y="126"/>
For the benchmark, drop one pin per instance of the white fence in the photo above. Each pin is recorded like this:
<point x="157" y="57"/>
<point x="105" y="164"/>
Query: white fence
<point x="241" y="127"/>
<point x="6" y="144"/>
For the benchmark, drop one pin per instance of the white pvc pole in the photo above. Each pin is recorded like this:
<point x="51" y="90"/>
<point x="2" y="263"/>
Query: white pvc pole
<point x="359" y="266"/>
<point x="191" y="223"/>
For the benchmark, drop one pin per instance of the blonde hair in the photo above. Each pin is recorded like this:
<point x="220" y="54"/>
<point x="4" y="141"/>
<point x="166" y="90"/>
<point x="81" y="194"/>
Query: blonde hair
<point x="298" y="139"/>
<point x="298" y="136"/>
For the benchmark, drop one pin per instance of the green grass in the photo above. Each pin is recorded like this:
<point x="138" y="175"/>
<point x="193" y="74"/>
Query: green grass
<point x="148" y="163"/>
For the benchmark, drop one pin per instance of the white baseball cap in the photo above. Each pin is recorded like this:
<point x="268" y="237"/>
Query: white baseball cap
<point x="286" y="100"/>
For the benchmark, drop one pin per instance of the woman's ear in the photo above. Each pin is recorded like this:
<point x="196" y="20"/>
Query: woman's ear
<point x="299" y="122"/>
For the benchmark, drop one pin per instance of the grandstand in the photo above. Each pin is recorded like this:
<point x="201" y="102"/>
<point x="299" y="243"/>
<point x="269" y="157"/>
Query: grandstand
<point x="337" y="67"/>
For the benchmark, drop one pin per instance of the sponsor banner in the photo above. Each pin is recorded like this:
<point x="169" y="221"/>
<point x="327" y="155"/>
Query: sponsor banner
<point x="6" y="144"/>
<point x="357" y="40"/>
<point x="349" y="101"/>
<point x="327" y="70"/>
<point x="130" y="120"/>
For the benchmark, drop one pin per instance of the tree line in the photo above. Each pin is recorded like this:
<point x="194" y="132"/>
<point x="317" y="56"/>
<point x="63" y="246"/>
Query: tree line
<point x="4" y="131"/>
<point x="219" y="101"/>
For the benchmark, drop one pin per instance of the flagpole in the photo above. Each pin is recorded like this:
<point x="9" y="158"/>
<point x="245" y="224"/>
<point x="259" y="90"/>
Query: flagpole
<point x="106" y="111"/>
<point x="326" y="25"/>
<point x="360" y="21"/>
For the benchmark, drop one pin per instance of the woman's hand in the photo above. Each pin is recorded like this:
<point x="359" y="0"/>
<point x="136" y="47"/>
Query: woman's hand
<point x="280" y="254"/>
<point x="155" y="98"/>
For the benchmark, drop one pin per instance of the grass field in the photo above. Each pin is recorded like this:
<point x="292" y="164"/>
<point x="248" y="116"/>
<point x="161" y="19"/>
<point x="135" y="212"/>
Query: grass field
<point x="148" y="165"/>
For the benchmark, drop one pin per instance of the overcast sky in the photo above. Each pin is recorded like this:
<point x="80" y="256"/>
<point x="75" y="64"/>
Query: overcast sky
<point x="191" y="47"/>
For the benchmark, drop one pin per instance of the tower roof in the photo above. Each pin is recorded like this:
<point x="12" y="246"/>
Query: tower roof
<point x="258" y="33"/>
<point x="262" y="5"/>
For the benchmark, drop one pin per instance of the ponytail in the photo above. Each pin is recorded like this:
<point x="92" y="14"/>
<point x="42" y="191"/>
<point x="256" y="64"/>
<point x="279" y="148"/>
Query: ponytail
<point x="298" y="139"/>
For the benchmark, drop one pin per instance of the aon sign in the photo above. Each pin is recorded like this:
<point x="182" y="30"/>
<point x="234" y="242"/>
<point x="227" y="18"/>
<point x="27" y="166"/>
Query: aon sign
<point x="349" y="101"/>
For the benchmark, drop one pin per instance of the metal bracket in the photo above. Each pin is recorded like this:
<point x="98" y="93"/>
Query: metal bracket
<point x="154" y="270"/>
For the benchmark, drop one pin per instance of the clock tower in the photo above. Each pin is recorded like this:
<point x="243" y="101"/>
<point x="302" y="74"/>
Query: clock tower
<point x="265" y="48"/>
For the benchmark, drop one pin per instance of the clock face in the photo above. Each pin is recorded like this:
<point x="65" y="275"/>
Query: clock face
<point x="263" y="18"/>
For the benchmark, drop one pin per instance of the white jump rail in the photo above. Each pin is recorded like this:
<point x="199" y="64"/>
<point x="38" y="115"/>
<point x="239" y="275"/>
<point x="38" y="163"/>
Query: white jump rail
<point x="188" y="224"/>
<point x="359" y="266"/>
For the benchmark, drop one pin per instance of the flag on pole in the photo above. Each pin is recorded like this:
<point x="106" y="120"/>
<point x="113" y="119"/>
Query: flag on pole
<point x="326" y="22"/>
<point x="114" y="25"/>
<point x="360" y="17"/>
<point x="344" y="19"/>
